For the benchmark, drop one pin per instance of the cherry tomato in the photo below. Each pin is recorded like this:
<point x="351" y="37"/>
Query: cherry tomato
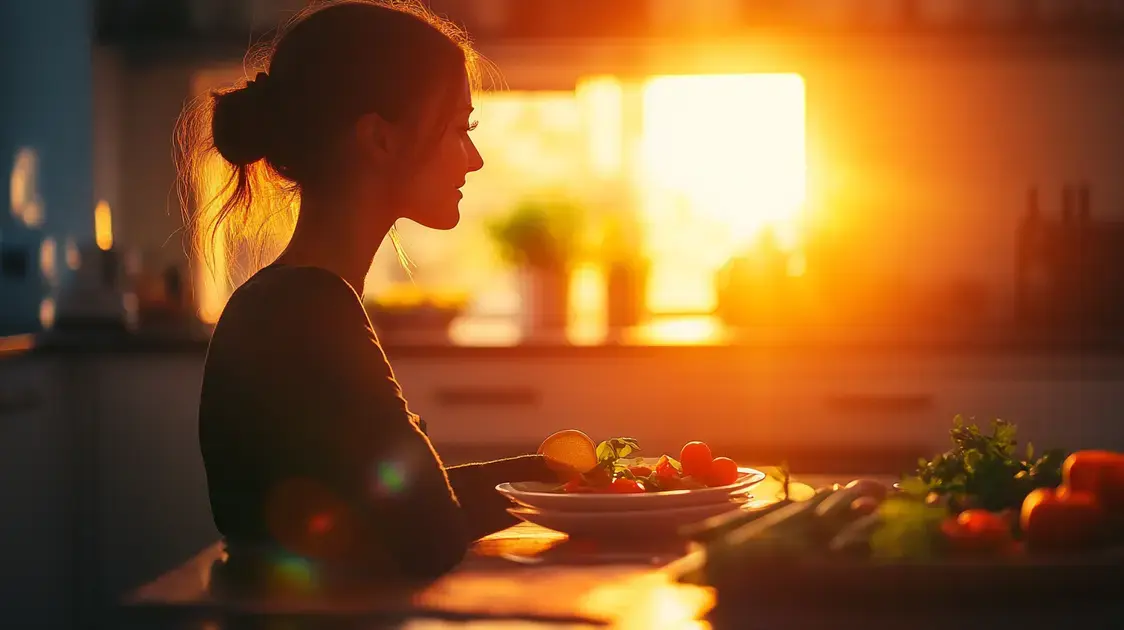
<point x="984" y="523"/>
<point x="664" y="469"/>
<point x="977" y="531"/>
<point x="623" y="485"/>
<point x="696" y="458"/>
<point x="640" y="471"/>
<point x="723" y="471"/>
<point x="1099" y="473"/>
<point x="1062" y="519"/>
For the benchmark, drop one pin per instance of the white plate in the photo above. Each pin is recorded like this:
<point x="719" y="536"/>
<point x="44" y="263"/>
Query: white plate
<point x="539" y="495"/>
<point x="627" y="524"/>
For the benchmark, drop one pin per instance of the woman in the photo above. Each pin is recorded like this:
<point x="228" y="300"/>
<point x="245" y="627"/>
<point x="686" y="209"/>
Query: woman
<point x="362" y="118"/>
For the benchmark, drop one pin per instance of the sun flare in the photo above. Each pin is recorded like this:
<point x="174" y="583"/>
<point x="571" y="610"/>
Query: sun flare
<point x="723" y="158"/>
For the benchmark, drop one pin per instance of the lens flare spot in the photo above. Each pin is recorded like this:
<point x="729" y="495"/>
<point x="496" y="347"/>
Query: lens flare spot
<point x="390" y="478"/>
<point x="320" y="524"/>
<point x="295" y="573"/>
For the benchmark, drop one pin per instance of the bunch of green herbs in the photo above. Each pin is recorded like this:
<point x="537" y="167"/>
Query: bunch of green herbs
<point x="985" y="469"/>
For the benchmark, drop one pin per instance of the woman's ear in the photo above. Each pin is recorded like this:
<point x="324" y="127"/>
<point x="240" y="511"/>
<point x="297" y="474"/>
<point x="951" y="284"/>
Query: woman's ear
<point x="376" y="139"/>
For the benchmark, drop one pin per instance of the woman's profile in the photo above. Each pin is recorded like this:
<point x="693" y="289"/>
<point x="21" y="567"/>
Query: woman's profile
<point x="359" y="117"/>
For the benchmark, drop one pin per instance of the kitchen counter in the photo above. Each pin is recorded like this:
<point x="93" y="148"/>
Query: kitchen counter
<point x="1006" y="340"/>
<point x="98" y="440"/>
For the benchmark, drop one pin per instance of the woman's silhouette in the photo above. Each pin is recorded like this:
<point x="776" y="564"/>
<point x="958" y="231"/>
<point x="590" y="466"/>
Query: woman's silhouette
<point x="360" y="118"/>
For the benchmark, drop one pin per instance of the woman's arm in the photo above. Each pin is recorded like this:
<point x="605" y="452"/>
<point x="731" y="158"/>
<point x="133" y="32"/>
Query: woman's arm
<point x="372" y="444"/>
<point x="475" y="485"/>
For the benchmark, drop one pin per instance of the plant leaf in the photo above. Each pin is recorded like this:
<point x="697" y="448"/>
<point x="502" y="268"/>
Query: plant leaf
<point x="629" y="442"/>
<point x="605" y="452"/>
<point x="675" y="464"/>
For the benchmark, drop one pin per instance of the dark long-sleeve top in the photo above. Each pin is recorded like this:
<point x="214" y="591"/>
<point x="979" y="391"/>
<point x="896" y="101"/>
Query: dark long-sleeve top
<point x="309" y="445"/>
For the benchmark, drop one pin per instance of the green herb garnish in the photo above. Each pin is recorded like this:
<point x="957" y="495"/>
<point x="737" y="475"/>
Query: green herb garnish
<point x="611" y="451"/>
<point x="984" y="470"/>
<point x="613" y="460"/>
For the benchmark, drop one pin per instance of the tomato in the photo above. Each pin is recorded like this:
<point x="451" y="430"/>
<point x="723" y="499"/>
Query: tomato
<point x="696" y="458"/>
<point x="723" y="471"/>
<point x="1062" y="520"/>
<point x="984" y="523"/>
<point x="1099" y="473"/>
<point x="978" y="531"/>
<point x="640" y="471"/>
<point x="624" y="485"/>
<point x="664" y="469"/>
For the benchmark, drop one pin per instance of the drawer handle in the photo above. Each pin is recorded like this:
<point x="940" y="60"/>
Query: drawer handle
<point x="880" y="403"/>
<point x="489" y="397"/>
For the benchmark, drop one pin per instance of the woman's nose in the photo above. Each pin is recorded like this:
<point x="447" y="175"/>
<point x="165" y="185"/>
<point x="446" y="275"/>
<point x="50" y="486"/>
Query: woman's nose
<point x="475" y="160"/>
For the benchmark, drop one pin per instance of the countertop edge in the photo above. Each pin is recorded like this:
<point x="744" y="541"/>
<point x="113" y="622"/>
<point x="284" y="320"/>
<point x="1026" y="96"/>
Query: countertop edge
<point x="18" y="346"/>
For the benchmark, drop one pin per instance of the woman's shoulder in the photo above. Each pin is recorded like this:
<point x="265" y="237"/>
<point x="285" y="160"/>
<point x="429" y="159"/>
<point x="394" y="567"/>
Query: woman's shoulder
<point x="294" y="292"/>
<point x="288" y="278"/>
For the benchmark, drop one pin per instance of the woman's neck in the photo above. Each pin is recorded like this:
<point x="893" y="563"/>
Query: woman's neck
<point x="337" y="236"/>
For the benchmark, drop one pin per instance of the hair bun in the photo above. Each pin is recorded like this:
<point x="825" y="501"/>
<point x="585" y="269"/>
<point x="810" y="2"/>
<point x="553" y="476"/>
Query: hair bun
<point x="240" y="124"/>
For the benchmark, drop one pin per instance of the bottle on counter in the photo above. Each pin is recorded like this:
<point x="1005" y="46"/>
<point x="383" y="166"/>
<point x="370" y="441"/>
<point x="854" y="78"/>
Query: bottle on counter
<point x="95" y="299"/>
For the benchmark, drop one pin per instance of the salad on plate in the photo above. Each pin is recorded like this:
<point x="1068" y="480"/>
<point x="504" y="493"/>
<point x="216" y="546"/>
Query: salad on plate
<point x="613" y="466"/>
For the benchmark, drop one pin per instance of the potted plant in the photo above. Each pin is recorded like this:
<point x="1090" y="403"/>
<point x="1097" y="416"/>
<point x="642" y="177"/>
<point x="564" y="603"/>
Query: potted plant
<point x="539" y="237"/>
<point x="626" y="269"/>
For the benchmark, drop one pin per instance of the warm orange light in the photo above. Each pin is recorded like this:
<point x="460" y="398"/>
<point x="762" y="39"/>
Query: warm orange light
<point x="602" y="99"/>
<point x="212" y="292"/>
<point x="23" y="188"/>
<point x="682" y="331"/>
<point x="47" y="313"/>
<point x="588" y="323"/>
<point x="22" y="180"/>
<point x="103" y="226"/>
<point x="48" y="259"/>
<point x="211" y="286"/>
<point x="723" y="159"/>
<point x="73" y="257"/>
<point x="16" y="343"/>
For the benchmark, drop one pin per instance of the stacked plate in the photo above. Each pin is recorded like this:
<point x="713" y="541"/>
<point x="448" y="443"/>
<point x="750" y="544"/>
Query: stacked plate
<point x="649" y="514"/>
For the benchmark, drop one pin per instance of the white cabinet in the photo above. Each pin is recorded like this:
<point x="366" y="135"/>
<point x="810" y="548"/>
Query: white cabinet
<point x="101" y="481"/>
<point x="152" y="508"/>
<point x="746" y="400"/>
<point x="37" y="502"/>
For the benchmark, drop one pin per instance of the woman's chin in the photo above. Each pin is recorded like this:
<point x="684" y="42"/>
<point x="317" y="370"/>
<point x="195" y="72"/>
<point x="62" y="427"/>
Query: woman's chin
<point x="441" y="220"/>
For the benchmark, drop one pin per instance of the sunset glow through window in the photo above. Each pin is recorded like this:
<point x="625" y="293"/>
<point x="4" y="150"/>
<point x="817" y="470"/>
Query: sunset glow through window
<point x="723" y="159"/>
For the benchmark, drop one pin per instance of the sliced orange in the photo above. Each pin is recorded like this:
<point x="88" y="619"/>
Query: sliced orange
<point x="569" y="452"/>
